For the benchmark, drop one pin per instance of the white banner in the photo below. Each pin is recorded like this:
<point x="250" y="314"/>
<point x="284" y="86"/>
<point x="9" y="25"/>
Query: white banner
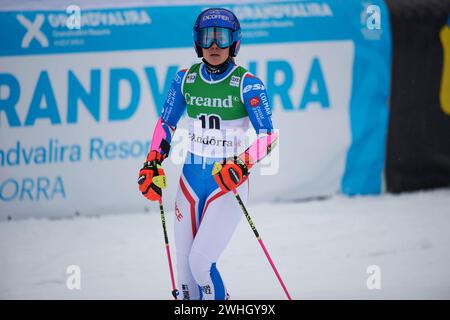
<point x="78" y="108"/>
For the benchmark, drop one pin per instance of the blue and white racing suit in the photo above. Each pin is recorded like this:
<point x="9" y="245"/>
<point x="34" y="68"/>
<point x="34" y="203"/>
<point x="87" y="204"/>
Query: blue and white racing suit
<point x="207" y="217"/>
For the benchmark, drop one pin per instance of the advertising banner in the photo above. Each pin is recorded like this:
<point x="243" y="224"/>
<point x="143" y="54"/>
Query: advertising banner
<point x="81" y="90"/>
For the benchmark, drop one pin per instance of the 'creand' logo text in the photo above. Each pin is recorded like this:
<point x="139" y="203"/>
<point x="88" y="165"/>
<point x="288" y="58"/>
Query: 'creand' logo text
<point x="209" y="102"/>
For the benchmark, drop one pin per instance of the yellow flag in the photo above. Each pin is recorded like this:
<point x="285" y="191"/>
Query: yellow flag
<point x="444" y="95"/>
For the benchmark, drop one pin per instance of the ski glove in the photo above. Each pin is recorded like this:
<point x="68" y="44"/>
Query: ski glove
<point x="152" y="178"/>
<point x="231" y="173"/>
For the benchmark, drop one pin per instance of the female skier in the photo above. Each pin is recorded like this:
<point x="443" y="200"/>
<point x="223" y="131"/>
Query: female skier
<point x="220" y="98"/>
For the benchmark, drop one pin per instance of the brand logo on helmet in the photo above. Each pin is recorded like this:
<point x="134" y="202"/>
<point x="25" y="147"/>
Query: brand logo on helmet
<point x="209" y="102"/>
<point x="215" y="17"/>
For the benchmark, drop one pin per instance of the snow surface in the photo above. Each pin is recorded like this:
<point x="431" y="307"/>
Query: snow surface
<point x="321" y="248"/>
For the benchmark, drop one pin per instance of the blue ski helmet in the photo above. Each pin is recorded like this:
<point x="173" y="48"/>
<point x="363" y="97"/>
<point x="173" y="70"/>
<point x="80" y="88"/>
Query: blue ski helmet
<point x="217" y="25"/>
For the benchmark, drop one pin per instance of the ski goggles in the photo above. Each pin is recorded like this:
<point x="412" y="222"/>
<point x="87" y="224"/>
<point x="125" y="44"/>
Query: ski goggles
<point x="223" y="37"/>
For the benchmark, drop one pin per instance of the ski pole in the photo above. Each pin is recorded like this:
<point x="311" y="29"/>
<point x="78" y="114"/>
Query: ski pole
<point x="252" y="225"/>
<point x="166" y="240"/>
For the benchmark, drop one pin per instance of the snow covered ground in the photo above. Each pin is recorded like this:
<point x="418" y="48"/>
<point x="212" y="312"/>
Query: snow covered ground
<point x="321" y="248"/>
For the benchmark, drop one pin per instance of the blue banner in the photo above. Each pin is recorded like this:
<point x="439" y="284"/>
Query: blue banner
<point x="80" y="91"/>
<point x="42" y="32"/>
